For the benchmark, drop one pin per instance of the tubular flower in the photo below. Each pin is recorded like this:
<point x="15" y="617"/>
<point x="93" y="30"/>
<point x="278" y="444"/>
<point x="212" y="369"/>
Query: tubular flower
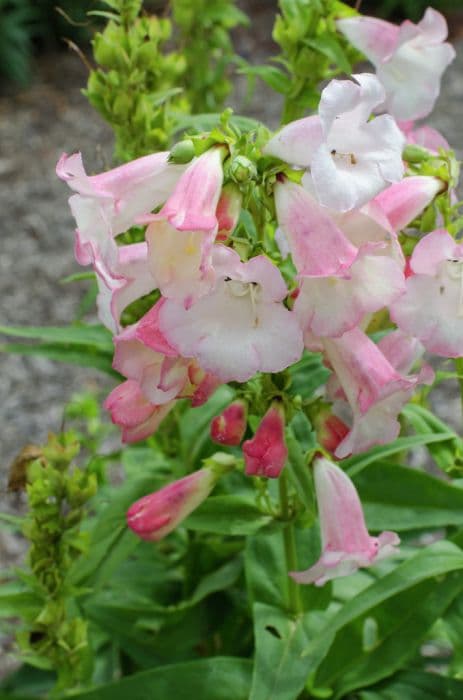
<point x="109" y="203"/>
<point x="351" y="159"/>
<point x="346" y="544"/>
<point x="431" y="309"/>
<point x="180" y="238"/>
<point x="372" y="387"/>
<point x="339" y="283"/>
<point x="409" y="59"/>
<point x="137" y="417"/>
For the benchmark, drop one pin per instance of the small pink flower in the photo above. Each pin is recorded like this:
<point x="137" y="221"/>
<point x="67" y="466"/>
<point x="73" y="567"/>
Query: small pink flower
<point x="154" y="516"/>
<point x="431" y="309"/>
<point x="347" y="546"/>
<point x="133" y="413"/>
<point x="229" y="427"/>
<point x="160" y="377"/>
<point x="192" y="206"/>
<point x="409" y="59"/>
<point x="265" y="454"/>
<point x="405" y="200"/>
<point x="367" y="382"/>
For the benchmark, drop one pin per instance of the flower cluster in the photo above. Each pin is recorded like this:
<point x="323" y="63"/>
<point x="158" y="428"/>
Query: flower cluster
<point x="223" y="312"/>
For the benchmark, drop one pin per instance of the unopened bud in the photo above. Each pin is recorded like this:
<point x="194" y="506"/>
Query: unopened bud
<point x="242" y="169"/>
<point x="154" y="516"/>
<point x="330" y="429"/>
<point x="266" y="453"/>
<point x="229" y="427"/>
<point x="228" y="211"/>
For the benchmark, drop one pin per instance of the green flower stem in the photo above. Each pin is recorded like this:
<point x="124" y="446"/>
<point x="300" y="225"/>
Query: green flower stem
<point x="459" y="369"/>
<point x="289" y="541"/>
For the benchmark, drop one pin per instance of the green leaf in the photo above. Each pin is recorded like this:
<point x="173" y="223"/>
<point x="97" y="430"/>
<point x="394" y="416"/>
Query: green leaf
<point x="216" y="678"/>
<point x="218" y="580"/>
<point x="96" y="336"/>
<point x="403" y="601"/>
<point x="17" y="602"/>
<point x="267" y="574"/>
<point x="110" y="540"/>
<point x="423" y="421"/>
<point x="332" y="49"/>
<point x="415" y="685"/>
<point x="280" y="670"/>
<point x="208" y="122"/>
<point x="308" y="375"/>
<point x="194" y="428"/>
<point x="298" y="467"/>
<point x="354" y="465"/>
<point x="400" y="498"/>
<point x="82" y="356"/>
<point x="228" y="515"/>
<point x="273" y="76"/>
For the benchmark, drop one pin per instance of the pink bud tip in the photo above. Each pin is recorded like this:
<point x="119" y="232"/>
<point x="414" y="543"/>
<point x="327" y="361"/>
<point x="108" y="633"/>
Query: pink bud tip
<point x="228" y="428"/>
<point x="266" y="453"/>
<point x="155" y="515"/>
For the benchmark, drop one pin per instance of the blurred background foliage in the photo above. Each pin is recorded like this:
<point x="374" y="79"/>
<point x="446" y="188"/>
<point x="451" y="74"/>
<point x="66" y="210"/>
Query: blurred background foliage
<point x="30" y="27"/>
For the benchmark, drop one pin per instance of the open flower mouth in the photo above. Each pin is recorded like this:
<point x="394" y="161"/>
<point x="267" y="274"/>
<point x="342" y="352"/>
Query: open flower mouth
<point x="239" y="290"/>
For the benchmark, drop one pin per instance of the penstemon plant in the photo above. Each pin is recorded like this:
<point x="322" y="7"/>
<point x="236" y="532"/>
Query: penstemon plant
<point x="271" y="298"/>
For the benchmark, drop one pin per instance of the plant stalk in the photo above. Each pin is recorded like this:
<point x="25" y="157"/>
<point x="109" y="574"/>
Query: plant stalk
<point x="289" y="542"/>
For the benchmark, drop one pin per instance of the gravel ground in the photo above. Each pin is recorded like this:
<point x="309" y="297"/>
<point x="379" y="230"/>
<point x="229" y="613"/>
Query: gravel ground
<point x="36" y="126"/>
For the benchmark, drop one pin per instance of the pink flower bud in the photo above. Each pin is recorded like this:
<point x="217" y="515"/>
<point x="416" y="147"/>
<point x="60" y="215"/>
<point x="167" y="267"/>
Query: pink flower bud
<point x="331" y="430"/>
<point x="154" y="516"/>
<point x="228" y="428"/>
<point x="266" y="453"/>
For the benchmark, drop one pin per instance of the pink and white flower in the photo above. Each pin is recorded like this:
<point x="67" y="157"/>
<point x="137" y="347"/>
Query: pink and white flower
<point x="351" y="159"/>
<point x="240" y="327"/>
<point x="404" y="201"/>
<point x="180" y="238"/>
<point x="373" y="390"/>
<point x="121" y="280"/>
<point x="137" y="417"/>
<point x="109" y="203"/>
<point x="160" y="377"/>
<point x="432" y="306"/>
<point x="339" y="283"/>
<point x="409" y="59"/>
<point x="347" y="545"/>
